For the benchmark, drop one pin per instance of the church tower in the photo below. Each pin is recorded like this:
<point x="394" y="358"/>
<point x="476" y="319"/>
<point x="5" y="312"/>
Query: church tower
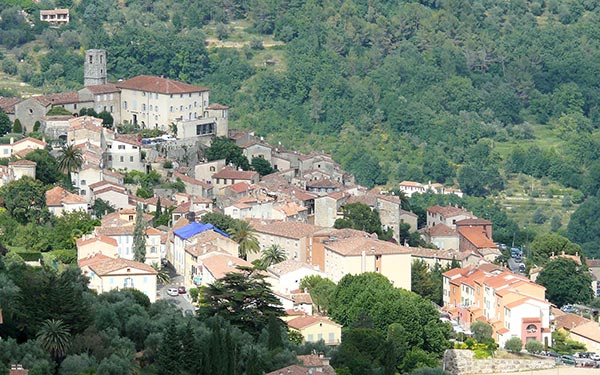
<point x="94" y="70"/>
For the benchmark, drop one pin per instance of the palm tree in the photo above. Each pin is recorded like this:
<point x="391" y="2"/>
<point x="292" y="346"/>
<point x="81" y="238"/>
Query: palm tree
<point x="272" y="255"/>
<point x="54" y="337"/>
<point x="163" y="276"/>
<point x="242" y="233"/>
<point x="70" y="160"/>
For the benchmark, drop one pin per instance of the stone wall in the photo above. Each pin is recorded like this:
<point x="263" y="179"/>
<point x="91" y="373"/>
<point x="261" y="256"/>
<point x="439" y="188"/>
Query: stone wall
<point x="463" y="362"/>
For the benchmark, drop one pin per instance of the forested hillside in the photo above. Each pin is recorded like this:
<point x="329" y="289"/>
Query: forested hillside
<point x="466" y="92"/>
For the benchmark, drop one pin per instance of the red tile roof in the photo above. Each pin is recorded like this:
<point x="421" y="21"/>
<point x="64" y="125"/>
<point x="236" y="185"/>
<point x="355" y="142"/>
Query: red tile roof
<point x="217" y="106"/>
<point x="441" y="230"/>
<point x="159" y="85"/>
<point x="60" y="98"/>
<point x="306" y="321"/>
<point x="8" y="104"/>
<point x="236" y="175"/>
<point x="99" y="238"/>
<point x="103" y="89"/>
<point x="477" y="236"/>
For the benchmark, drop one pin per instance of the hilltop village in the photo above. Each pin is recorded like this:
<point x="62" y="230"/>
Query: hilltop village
<point x="230" y="202"/>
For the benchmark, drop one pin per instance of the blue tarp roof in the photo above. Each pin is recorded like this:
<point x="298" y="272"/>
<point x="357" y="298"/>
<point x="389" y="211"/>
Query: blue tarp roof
<point x="194" y="228"/>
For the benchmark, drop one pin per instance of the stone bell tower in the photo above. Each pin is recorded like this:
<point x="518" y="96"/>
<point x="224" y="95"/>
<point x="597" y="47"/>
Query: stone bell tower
<point x="94" y="71"/>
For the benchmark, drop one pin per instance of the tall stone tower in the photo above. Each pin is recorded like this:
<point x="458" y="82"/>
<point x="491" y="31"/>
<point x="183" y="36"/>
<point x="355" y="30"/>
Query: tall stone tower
<point x="94" y="70"/>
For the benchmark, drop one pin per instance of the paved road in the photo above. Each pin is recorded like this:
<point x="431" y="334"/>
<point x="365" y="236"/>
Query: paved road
<point x="183" y="301"/>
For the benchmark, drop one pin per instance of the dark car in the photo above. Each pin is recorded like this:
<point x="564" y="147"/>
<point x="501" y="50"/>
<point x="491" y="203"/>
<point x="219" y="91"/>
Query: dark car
<point x="568" y="359"/>
<point x="182" y="290"/>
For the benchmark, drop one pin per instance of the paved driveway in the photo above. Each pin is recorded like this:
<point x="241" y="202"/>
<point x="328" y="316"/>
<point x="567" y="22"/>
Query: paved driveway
<point x="183" y="301"/>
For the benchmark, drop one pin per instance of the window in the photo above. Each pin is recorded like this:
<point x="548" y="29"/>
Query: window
<point x="109" y="157"/>
<point x="75" y="106"/>
<point x="153" y="250"/>
<point x="121" y="147"/>
<point x="195" y="104"/>
<point x="331" y="337"/>
<point x="82" y="182"/>
<point x="128" y="283"/>
<point x="130" y="217"/>
<point x="131" y="159"/>
<point x="82" y="192"/>
<point x="5" y="151"/>
<point x="180" y="108"/>
<point x="310" y="338"/>
<point x="155" y="95"/>
<point x="143" y="93"/>
<point x="151" y="107"/>
<point x="171" y="109"/>
<point x="144" y="107"/>
<point x="212" y="169"/>
<point x="121" y="158"/>
<point x="181" y="95"/>
<point x="91" y="59"/>
<point x="532" y="328"/>
<point x="125" y="104"/>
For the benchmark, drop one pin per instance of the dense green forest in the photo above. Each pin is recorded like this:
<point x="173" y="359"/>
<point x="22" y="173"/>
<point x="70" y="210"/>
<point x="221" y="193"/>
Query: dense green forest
<point x="472" y="93"/>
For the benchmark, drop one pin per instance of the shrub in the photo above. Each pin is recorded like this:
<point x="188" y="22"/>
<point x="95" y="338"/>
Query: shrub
<point x="514" y="345"/>
<point x="17" y="127"/>
<point x="64" y="256"/>
<point x="534" y="346"/>
<point x="29" y="256"/>
<point x="168" y="164"/>
<point x="482" y="331"/>
<point x="194" y="294"/>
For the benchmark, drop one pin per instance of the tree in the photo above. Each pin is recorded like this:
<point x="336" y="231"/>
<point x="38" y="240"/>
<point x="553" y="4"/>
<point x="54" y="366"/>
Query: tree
<point x="101" y="208"/>
<point x="421" y="282"/>
<point x="538" y="216"/>
<point x="534" y="346"/>
<point x="107" y="119"/>
<point x="321" y="290"/>
<point x="514" y="345"/>
<point x="169" y="355"/>
<point x="17" y="127"/>
<point x="243" y="298"/>
<point x="46" y="169"/>
<point x="242" y="233"/>
<point x="54" y="336"/>
<point x="139" y="235"/>
<point x="5" y="123"/>
<point x="70" y="160"/>
<point x="25" y="200"/>
<point x="272" y="255"/>
<point x="262" y="166"/>
<point x="566" y="282"/>
<point x="224" y="148"/>
<point x="482" y="331"/>
<point x="546" y="245"/>
<point x="162" y="276"/>
<point x="584" y="228"/>
<point x="219" y="220"/>
<point x="359" y="216"/>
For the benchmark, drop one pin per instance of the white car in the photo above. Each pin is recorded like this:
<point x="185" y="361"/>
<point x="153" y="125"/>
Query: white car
<point x="173" y="292"/>
<point x="595" y="356"/>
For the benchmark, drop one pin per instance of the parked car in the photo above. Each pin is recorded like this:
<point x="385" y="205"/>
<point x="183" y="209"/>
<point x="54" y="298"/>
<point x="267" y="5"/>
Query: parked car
<point x="595" y="356"/>
<point x="568" y="359"/>
<point x="181" y="290"/>
<point x="173" y="291"/>
<point x="550" y="353"/>
<point x="522" y="267"/>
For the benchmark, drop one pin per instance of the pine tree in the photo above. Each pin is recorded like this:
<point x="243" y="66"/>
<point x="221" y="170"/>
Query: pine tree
<point x="191" y="358"/>
<point x="139" y="236"/>
<point x="158" y="211"/>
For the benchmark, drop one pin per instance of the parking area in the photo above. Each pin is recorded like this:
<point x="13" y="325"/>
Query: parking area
<point x="181" y="300"/>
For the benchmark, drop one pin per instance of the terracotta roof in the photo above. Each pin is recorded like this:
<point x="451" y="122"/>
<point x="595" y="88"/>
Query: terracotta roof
<point x="92" y="260"/>
<point x="593" y="263"/>
<point x="57" y="196"/>
<point x="324" y="183"/>
<point x="105" y="266"/>
<point x="589" y="330"/>
<point x="448" y="211"/>
<point x="477" y="236"/>
<point x="306" y="321"/>
<point x="103" y="89"/>
<point x="129" y="139"/>
<point x="302" y="299"/>
<point x="503" y="331"/>
<point x="60" y="98"/>
<point x="8" y="104"/>
<point x="220" y="264"/>
<point x="354" y="246"/>
<point x="369" y="200"/>
<point x="118" y="230"/>
<point x="441" y="230"/>
<point x="236" y="175"/>
<point x="287" y="266"/>
<point x="23" y="162"/>
<point x="569" y="321"/>
<point x="311" y="360"/>
<point x="239" y="187"/>
<point x="159" y="85"/>
<point x="421" y="252"/>
<point x="290" y="209"/>
<point x="411" y="183"/>
<point x="105" y="183"/>
<point x="31" y="140"/>
<point x="99" y="238"/>
<point x="288" y="229"/>
<point x="473" y="221"/>
<point x="290" y="370"/>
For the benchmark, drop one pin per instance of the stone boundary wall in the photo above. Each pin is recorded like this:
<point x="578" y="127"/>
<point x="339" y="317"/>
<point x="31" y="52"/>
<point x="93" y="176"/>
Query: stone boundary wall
<point x="463" y="362"/>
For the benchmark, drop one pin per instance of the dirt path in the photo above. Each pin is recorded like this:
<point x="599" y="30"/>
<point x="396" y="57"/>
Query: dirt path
<point x="211" y="42"/>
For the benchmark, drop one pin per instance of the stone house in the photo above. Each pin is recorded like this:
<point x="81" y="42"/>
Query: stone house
<point x="328" y="208"/>
<point x="60" y="201"/>
<point x="295" y="238"/>
<point x="256" y="150"/>
<point x="442" y="236"/>
<point x="204" y="171"/>
<point x="228" y="176"/>
<point x="194" y="186"/>
<point x="21" y="168"/>
<point x="447" y="215"/>
<point x="105" y="97"/>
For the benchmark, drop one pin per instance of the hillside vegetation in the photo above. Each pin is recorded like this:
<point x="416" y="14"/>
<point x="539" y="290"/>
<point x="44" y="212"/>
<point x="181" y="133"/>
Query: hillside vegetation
<point x="473" y="93"/>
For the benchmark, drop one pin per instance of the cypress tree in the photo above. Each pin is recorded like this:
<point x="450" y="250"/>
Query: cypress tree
<point x="17" y="127"/>
<point x="139" y="236"/>
<point x="274" y="330"/>
<point x="191" y="359"/>
<point x="168" y="361"/>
